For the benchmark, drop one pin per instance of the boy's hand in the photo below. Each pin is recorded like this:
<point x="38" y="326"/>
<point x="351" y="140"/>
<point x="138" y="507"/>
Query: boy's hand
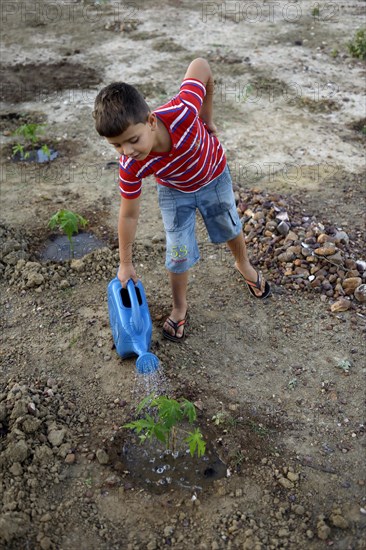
<point x="212" y="128"/>
<point x="126" y="272"/>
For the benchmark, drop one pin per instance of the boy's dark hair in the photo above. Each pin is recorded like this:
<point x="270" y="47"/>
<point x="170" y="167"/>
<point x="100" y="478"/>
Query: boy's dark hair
<point x="116" y="107"/>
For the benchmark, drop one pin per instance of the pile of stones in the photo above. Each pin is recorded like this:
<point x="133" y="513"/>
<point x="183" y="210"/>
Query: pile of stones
<point x="301" y="253"/>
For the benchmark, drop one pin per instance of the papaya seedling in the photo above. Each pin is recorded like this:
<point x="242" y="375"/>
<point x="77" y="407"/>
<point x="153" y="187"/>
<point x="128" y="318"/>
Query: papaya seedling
<point x="164" y="423"/>
<point x="69" y="223"/>
<point x="30" y="134"/>
<point x="357" y="46"/>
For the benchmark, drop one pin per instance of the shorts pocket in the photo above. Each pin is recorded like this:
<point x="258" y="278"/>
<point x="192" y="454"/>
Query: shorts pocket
<point x="168" y="209"/>
<point x="225" y="194"/>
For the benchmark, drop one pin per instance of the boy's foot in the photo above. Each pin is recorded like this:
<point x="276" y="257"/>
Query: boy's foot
<point x="257" y="286"/>
<point x="174" y="326"/>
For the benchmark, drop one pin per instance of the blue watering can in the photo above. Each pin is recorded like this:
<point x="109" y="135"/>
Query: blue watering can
<point x="131" y="325"/>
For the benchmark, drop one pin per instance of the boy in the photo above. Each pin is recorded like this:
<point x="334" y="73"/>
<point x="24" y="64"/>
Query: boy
<point x="177" y="143"/>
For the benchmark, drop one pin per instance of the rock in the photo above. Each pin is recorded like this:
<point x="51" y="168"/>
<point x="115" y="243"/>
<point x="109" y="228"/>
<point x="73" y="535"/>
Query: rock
<point x="45" y="543"/>
<point x="361" y="265"/>
<point x="339" y="521"/>
<point x="102" y="456"/>
<point x="324" y="238"/>
<point x="70" y="458"/>
<point x="43" y="454"/>
<point x="291" y="236"/>
<point x="168" y="531"/>
<point x="283" y="228"/>
<point x="360" y="293"/>
<point x="30" y="425"/>
<point x="336" y="258"/>
<point x="77" y="265"/>
<point x="323" y="531"/>
<point x="3" y="412"/>
<point x="351" y="283"/>
<point x="16" y="469"/>
<point x="327" y="250"/>
<point x="17" y="452"/>
<point x="64" y="284"/>
<point x="292" y="476"/>
<point x="299" y="510"/>
<point x="56" y="437"/>
<point x="286" y="483"/>
<point x="112" y="480"/>
<point x="32" y="408"/>
<point x="343" y="304"/>
<point x="342" y="237"/>
<point x="13" y="524"/>
<point x="34" y="279"/>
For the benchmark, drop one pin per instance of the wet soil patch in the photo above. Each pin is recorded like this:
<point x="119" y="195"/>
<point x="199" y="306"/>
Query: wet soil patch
<point x="167" y="45"/>
<point x="39" y="155"/>
<point x="152" y="90"/>
<point x="358" y="128"/>
<point x="318" y="106"/>
<point x="157" y="470"/>
<point x="58" y="249"/>
<point x="10" y="121"/>
<point x="31" y="82"/>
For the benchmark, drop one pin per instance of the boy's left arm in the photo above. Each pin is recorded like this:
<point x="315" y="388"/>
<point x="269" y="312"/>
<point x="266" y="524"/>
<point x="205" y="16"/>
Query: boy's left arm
<point x="200" y="70"/>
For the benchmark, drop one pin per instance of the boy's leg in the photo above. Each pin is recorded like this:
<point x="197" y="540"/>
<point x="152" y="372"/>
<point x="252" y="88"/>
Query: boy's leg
<point x="178" y="283"/>
<point x="242" y="263"/>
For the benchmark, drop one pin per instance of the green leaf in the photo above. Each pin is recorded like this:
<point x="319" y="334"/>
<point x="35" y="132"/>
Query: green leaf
<point x="46" y="150"/>
<point x="189" y="410"/>
<point x="170" y="411"/>
<point x="146" y="402"/>
<point x="69" y="222"/>
<point x="196" y="443"/>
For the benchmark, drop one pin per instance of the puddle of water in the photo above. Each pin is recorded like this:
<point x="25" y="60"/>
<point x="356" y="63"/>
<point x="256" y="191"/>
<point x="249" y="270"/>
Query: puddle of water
<point x="58" y="249"/>
<point x="38" y="156"/>
<point x="157" y="470"/>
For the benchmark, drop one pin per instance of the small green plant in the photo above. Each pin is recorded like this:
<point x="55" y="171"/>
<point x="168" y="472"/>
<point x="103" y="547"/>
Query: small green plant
<point x="162" y="423"/>
<point x="334" y="53"/>
<point x="315" y="12"/>
<point x="357" y="47"/>
<point x="30" y="134"/>
<point x="292" y="383"/>
<point x="88" y="482"/>
<point x="46" y="151"/>
<point x="345" y="365"/>
<point x="69" y="223"/>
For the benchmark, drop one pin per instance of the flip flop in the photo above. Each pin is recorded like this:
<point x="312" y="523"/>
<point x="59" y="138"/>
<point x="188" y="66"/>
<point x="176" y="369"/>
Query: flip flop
<point x="258" y="284"/>
<point x="175" y="325"/>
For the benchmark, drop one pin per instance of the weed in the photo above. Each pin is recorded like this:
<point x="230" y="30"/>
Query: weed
<point x="69" y="223"/>
<point x="345" y="365"/>
<point x="315" y="12"/>
<point x="168" y="414"/>
<point x="292" y="384"/>
<point x="238" y="459"/>
<point x="88" y="482"/>
<point x="334" y="53"/>
<point x="357" y="47"/>
<point x="219" y="418"/>
<point x="258" y="428"/>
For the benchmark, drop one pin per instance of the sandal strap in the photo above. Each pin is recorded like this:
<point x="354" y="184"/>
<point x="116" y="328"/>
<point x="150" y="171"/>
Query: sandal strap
<point x="257" y="284"/>
<point x="176" y="324"/>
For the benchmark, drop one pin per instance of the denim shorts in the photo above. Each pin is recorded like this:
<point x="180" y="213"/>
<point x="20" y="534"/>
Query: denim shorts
<point x="216" y="203"/>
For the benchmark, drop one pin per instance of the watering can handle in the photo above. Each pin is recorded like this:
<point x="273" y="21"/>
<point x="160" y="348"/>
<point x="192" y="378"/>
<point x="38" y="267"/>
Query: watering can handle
<point x="135" y="308"/>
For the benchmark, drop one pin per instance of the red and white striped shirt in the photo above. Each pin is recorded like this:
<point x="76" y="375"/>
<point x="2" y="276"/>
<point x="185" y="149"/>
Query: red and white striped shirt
<point x="196" y="156"/>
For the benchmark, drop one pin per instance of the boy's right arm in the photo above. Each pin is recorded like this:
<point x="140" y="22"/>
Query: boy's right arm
<point x="127" y="225"/>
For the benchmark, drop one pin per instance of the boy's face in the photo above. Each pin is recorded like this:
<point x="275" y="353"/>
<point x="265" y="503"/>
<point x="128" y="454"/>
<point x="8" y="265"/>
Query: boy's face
<point x="138" y="140"/>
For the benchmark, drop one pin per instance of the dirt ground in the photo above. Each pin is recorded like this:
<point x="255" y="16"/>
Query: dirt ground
<point x="277" y="407"/>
